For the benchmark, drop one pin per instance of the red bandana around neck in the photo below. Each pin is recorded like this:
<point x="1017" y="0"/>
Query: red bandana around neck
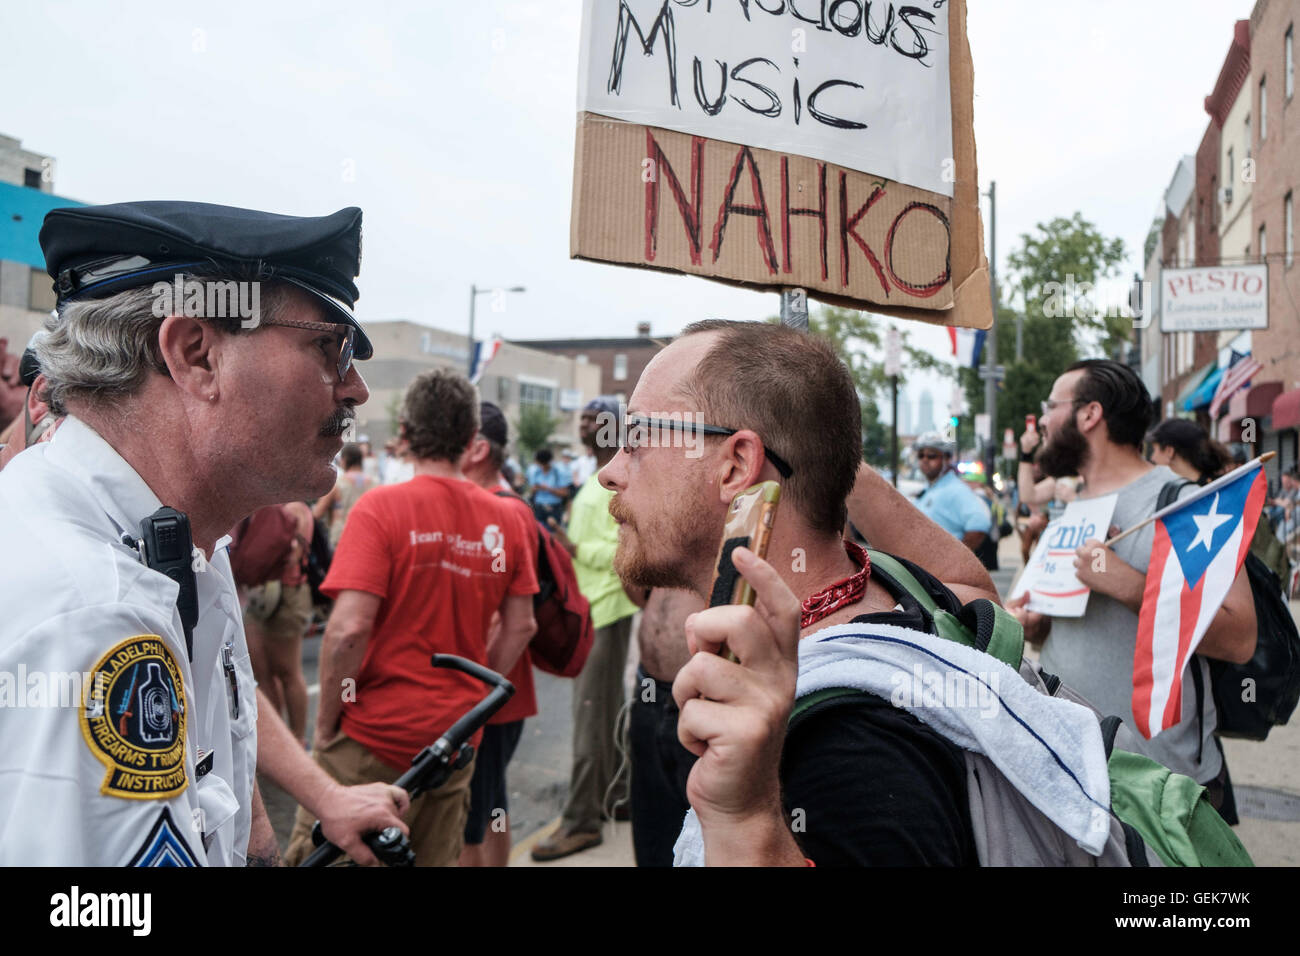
<point x="829" y="600"/>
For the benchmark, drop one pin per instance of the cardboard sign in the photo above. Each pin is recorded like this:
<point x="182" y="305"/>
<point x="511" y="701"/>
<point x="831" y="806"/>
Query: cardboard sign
<point x="850" y="173"/>
<point x="1049" y="576"/>
<point x="861" y="85"/>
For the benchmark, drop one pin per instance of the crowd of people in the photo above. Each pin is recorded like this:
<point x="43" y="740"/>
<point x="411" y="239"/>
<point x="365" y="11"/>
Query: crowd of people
<point x="132" y="436"/>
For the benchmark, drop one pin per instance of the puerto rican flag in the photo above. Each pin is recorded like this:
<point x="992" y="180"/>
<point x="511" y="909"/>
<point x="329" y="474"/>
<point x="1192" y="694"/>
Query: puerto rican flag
<point x="1200" y="544"/>
<point x="484" y="352"/>
<point x="967" y="345"/>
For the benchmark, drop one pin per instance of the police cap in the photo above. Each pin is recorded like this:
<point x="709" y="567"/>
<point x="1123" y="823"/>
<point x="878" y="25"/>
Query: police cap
<point x="94" y="251"/>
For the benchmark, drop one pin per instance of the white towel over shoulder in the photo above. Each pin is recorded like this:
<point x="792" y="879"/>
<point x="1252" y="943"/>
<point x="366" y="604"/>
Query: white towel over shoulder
<point x="1050" y="750"/>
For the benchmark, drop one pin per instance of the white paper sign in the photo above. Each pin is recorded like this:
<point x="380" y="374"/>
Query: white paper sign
<point x="864" y="85"/>
<point x="1049" y="576"/>
<point x="1217" y="297"/>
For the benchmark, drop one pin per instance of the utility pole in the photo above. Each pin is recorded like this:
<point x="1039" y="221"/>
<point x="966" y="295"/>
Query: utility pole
<point x="992" y="372"/>
<point x="474" y="293"/>
<point x="893" y="365"/>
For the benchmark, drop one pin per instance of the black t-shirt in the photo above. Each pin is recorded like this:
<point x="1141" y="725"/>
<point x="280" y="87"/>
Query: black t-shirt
<point x="867" y="784"/>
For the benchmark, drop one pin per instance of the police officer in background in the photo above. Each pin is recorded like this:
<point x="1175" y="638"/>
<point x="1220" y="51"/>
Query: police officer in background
<point x="202" y="356"/>
<point x="947" y="501"/>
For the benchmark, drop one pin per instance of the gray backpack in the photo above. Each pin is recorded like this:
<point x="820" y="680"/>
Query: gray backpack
<point x="1158" y="817"/>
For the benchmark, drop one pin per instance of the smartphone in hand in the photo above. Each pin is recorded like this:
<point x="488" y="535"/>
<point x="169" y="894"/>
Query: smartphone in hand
<point x="749" y="525"/>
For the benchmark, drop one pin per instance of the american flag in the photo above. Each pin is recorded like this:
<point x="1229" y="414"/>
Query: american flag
<point x="1200" y="544"/>
<point x="1237" y="375"/>
<point x="967" y="345"/>
<point x="484" y="352"/>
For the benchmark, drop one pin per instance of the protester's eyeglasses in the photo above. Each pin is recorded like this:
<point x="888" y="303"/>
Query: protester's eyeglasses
<point x="637" y="435"/>
<point x="1051" y="403"/>
<point x="347" y="339"/>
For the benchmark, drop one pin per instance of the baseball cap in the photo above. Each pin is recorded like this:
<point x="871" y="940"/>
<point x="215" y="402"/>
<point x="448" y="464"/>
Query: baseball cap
<point x="602" y="403"/>
<point x="492" y="423"/>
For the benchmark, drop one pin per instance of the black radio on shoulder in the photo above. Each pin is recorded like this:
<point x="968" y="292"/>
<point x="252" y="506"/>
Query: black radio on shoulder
<point x="166" y="546"/>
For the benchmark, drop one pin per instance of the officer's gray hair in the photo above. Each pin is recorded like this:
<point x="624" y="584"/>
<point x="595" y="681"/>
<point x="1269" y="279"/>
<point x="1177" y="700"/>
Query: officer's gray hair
<point x="104" y="348"/>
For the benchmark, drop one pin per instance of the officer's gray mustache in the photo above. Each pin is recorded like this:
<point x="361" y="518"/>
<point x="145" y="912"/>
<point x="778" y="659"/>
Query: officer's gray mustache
<point x="342" y="420"/>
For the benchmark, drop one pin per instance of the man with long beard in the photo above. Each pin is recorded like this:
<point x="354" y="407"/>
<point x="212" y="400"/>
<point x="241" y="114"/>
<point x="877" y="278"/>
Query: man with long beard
<point x="1094" y="423"/>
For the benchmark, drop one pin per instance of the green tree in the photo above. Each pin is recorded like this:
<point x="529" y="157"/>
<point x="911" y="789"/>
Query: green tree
<point x="1060" y="255"/>
<point x="1152" y="240"/>
<point x="1038" y="292"/>
<point x="533" y="429"/>
<point x="859" y="338"/>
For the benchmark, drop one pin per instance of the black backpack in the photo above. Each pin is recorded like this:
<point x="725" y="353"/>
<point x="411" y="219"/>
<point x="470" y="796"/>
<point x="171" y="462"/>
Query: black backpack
<point x="319" y="557"/>
<point x="1254" y="697"/>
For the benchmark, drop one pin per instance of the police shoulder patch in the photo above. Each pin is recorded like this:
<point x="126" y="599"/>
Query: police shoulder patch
<point x="164" y="846"/>
<point x="133" y="719"/>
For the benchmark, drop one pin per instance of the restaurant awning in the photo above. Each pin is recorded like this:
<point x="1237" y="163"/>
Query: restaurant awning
<point x="1286" y="410"/>
<point x="1194" y="382"/>
<point x="1203" y="394"/>
<point x="1254" y="402"/>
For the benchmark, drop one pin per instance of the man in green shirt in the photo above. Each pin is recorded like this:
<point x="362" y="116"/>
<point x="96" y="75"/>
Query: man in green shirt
<point x="598" y="692"/>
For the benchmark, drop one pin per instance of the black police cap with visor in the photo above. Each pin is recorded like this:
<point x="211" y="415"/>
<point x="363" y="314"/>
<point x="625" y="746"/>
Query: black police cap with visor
<point x="96" y="251"/>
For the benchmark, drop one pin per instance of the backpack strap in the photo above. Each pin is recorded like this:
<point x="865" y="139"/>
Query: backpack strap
<point x="994" y="630"/>
<point x="808" y="701"/>
<point x="1169" y="492"/>
<point x="1109" y="728"/>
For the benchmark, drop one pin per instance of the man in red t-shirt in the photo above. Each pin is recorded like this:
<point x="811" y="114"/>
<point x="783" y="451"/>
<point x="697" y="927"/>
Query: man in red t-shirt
<point x="487" y="831"/>
<point x="421" y="568"/>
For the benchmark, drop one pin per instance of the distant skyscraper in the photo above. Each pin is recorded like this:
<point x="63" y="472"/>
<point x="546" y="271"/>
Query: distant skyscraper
<point x="925" y="412"/>
<point x="904" y="413"/>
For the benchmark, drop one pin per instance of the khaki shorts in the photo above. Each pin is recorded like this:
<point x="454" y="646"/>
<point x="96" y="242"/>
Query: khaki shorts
<point x="282" y="611"/>
<point x="436" y="818"/>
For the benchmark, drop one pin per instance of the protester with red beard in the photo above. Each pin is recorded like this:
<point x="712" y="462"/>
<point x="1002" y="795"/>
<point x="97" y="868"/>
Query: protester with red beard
<point x="871" y="783"/>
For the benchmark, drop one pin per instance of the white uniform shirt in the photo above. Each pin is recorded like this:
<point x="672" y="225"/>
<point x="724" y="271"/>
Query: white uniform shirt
<point x="101" y="771"/>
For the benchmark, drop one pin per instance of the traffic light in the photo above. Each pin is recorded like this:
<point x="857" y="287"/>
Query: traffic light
<point x="954" y="421"/>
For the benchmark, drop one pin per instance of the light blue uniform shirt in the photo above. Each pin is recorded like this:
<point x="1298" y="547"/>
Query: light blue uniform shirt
<point x="557" y="477"/>
<point x="954" y="507"/>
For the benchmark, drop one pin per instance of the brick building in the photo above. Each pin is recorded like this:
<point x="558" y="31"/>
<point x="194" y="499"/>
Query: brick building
<point x="1274" y="396"/>
<point x="621" y="361"/>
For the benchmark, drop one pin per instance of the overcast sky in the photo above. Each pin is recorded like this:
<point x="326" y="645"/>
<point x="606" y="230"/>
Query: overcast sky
<point x="451" y="125"/>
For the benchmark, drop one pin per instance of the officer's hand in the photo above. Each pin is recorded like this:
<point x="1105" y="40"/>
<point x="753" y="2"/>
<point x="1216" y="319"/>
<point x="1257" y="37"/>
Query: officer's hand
<point x="349" y="812"/>
<point x="733" y="717"/>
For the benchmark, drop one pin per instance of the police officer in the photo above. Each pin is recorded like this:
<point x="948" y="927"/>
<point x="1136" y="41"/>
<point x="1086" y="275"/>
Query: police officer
<point x="202" y="356"/>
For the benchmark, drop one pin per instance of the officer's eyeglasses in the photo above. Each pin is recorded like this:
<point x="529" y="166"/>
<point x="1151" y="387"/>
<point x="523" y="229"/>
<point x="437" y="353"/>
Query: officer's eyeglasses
<point x="347" y="336"/>
<point x="638" y="431"/>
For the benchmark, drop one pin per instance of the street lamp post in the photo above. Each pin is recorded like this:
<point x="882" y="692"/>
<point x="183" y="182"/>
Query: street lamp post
<point x="992" y="372"/>
<point x="474" y="293"/>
